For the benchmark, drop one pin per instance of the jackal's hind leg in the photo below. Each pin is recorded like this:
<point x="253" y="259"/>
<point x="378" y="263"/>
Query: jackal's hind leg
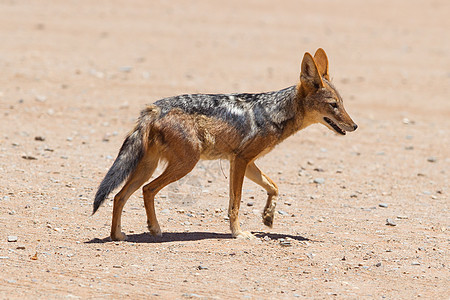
<point x="175" y="170"/>
<point x="254" y="174"/>
<point x="142" y="173"/>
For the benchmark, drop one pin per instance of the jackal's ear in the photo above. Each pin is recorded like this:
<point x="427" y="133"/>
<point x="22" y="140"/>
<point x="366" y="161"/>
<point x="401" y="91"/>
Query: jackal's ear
<point x="310" y="73"/>
<point x="322" y="63"/>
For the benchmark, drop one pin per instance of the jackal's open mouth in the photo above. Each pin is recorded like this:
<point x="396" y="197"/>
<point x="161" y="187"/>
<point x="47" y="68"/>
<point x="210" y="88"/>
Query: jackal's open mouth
<point x="334" y="125"/>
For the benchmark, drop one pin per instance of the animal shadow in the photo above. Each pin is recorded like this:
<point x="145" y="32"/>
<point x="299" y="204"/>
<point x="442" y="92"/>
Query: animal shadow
<point x="145" y="237"/>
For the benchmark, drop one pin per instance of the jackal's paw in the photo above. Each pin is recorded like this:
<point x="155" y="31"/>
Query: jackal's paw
<point x="247" y="235"/>
<point x="120" y="236"/>
<point x="155" y="231"/>
<point x="268" y="219"/>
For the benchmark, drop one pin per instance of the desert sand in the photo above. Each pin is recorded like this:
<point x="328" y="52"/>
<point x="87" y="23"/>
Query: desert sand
<point x="75" y="74"/>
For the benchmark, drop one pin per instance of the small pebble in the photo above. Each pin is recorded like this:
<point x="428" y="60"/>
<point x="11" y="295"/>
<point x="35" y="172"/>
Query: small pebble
<point x="319" y="180"/>
<point x="191" y="295"/>
<point x="249" y="203"/>
<point x="41" y="98"/>
<point x="432" y="159"/>
<point x="378" y="265"/>
<point x="383" y="205"/>
<point x="415" y="263"/>
<point x="29" y="157"/>
<point x="390" y="222"/>
<point x="285" y="243"/>
<point x="124" y="105"/>
<point x="202" y="267"/>
<point x="283" y="213"/>
<point x="310" y="255"/>
<point x="125" y="69"/>
<point x="12" y="238"/>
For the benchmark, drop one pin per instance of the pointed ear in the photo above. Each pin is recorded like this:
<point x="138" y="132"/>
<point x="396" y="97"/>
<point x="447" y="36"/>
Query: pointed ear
<point x="322" y="63"/>
<point x="310" y="74"/>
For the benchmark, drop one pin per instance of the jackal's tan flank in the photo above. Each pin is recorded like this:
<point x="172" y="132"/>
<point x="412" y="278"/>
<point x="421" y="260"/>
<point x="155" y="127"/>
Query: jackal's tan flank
<point x="239" y="127"/>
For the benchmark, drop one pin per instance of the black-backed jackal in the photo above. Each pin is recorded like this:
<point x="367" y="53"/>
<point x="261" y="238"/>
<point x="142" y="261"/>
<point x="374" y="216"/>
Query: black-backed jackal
<point x="239" y="127"/>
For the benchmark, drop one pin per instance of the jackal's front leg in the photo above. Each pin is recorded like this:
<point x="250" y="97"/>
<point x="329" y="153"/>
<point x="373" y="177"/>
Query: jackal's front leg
<point x="254" y="174"/>
<point x="237" y="172"/>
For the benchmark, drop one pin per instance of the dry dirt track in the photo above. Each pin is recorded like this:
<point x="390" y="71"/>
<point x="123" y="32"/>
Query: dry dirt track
<point x="74" y="75"/>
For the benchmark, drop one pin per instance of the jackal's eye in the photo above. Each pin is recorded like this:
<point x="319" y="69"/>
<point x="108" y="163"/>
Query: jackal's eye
<point x="334" y="104"/>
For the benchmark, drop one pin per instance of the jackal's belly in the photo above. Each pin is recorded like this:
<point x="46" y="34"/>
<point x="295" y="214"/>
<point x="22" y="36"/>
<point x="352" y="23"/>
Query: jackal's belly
<point x="213" y="155"/>
<point x="217" y="147"/>
<point x="218" y="140"/>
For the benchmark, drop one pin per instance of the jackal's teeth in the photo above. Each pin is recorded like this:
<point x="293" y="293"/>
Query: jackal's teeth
<point x="334" y="126"/>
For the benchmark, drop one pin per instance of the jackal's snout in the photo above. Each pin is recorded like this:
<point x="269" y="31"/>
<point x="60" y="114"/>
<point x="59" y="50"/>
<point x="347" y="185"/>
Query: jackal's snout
<point x="340" y="121"/>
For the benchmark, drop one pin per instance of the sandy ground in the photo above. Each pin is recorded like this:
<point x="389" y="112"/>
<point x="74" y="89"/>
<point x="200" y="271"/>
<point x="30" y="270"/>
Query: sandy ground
<point x="74" y="75"/>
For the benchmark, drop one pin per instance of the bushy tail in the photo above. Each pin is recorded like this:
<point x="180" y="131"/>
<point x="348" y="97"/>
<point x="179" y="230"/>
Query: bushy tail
<point x="130" y="154"/>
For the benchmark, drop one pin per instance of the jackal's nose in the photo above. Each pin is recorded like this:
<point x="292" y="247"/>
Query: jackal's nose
<point x="354" y="127"/>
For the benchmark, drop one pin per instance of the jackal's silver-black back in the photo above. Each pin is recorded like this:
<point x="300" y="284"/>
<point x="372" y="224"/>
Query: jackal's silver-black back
<point x="247" y="113"/>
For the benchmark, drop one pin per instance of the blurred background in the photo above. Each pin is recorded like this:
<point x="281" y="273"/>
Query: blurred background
<point x="161" y="48"/>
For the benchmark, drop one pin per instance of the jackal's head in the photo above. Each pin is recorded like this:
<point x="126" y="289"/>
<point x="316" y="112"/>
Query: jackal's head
<point x="322" y="102"/>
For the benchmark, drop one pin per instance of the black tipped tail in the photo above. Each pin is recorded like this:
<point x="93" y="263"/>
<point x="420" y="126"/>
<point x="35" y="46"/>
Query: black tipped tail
<point x="130" y="154"/>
